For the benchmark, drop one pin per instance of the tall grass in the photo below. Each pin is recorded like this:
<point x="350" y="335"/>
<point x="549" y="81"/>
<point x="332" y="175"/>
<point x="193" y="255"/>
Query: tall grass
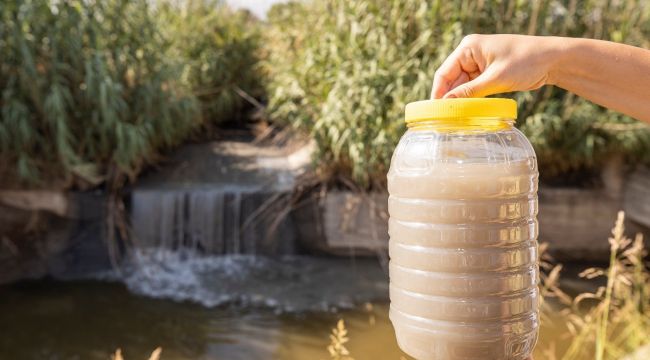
<point x="86" y="90"/>
<point x="614" y="320"/>
<point x="220" y="51"/>
<point x="343" y="71"/>
<point x="94" y="90"/>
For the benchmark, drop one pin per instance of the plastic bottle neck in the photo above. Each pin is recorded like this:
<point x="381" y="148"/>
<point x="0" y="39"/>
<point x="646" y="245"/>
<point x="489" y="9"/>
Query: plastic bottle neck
<point x="465" y="124"/>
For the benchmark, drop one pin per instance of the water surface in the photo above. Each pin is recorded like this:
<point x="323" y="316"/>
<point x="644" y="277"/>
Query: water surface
<point x="270" y="309"/>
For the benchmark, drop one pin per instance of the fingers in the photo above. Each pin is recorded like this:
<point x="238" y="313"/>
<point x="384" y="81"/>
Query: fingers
<point x="460" y="67"/>
<point x="481" y="86"/>
<point x="446" y="74"/>
<point x="463" y="78"/>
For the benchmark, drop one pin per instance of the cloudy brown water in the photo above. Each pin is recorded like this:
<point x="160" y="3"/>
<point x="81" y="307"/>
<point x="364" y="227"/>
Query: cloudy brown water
<point x="90" y="319"/>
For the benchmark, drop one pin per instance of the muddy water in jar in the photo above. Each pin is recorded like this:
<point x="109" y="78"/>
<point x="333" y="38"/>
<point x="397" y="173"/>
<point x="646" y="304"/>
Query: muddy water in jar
<point x="463" y="246"/>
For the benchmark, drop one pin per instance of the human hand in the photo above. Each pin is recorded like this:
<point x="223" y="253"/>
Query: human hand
<point x="484" y="65"/>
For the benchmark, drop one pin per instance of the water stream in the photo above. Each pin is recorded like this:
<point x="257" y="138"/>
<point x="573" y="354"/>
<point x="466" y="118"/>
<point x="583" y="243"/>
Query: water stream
<point x="211" y="221"/>
<point x="266" y="318"/>
<point x="201" y="307"/>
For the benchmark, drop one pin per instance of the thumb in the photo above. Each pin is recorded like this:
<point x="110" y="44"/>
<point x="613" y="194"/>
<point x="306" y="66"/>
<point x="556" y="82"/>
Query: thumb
<point x="481" y="86"/>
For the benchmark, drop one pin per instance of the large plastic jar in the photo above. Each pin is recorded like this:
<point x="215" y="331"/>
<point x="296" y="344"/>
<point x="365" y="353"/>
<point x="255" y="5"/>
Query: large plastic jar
<point x="463" y="233"/>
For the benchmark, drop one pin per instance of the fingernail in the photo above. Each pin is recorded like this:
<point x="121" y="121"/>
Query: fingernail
<point x="451" y="96"/>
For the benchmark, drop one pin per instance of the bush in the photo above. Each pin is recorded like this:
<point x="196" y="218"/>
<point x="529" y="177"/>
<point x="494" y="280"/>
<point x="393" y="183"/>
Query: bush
<point x="343" y="71"/>
<point x="86" y="91"/>
<point x="219" y="49"/>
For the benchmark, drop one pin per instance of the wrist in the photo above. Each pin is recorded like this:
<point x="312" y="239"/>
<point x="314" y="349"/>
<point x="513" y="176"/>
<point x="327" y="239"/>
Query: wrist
<point x="560" y="55"/>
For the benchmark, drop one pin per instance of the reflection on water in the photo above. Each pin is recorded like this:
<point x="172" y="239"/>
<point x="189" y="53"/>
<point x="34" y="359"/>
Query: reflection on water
<point x="90" y="319"/>
<point x="197" y="307"/>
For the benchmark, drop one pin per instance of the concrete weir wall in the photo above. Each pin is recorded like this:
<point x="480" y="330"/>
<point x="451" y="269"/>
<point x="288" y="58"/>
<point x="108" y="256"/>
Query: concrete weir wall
<point x="238" y="197"/>
<point x="51" y="234"/>
<point x="574" y="222"/>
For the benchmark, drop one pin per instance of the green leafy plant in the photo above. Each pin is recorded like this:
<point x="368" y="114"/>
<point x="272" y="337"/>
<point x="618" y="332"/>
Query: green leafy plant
<point x="343" y="71"/>
<point x="94" y="90"/>
<point x="86" y="92"/>
<point x="219" y="51"/>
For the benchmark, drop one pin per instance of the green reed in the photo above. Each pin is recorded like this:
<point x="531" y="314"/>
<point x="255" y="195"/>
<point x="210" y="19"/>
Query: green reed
<point x="343" y="71"/>
<point x="95" y="90"/>
<point x="220" y="52"/>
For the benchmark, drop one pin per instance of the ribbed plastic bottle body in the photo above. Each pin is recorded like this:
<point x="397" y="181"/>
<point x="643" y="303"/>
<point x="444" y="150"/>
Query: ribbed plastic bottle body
<point x="463" y="244"/>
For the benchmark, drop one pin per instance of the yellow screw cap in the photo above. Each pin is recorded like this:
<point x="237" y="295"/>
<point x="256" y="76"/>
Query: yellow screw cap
<point x="450" y="109"/>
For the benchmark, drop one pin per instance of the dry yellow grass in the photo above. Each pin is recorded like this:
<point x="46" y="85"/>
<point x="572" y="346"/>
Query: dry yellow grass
<point x="338" y="338"/>
<point x="155" y="355"/>
<point x="614" y="320"/>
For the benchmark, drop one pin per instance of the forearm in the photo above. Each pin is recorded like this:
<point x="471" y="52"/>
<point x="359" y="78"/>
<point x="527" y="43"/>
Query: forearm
<point x="613" y="75"/>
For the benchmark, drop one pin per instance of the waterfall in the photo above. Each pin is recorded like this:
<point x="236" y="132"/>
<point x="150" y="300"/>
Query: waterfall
<point x="210" y="221"/>
<point x="213" y="226"/>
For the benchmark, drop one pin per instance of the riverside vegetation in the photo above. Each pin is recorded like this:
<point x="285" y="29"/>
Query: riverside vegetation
<point x="94" y="90"/>
<point x="84" y="99"/>
<point x="343" y="71"/>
